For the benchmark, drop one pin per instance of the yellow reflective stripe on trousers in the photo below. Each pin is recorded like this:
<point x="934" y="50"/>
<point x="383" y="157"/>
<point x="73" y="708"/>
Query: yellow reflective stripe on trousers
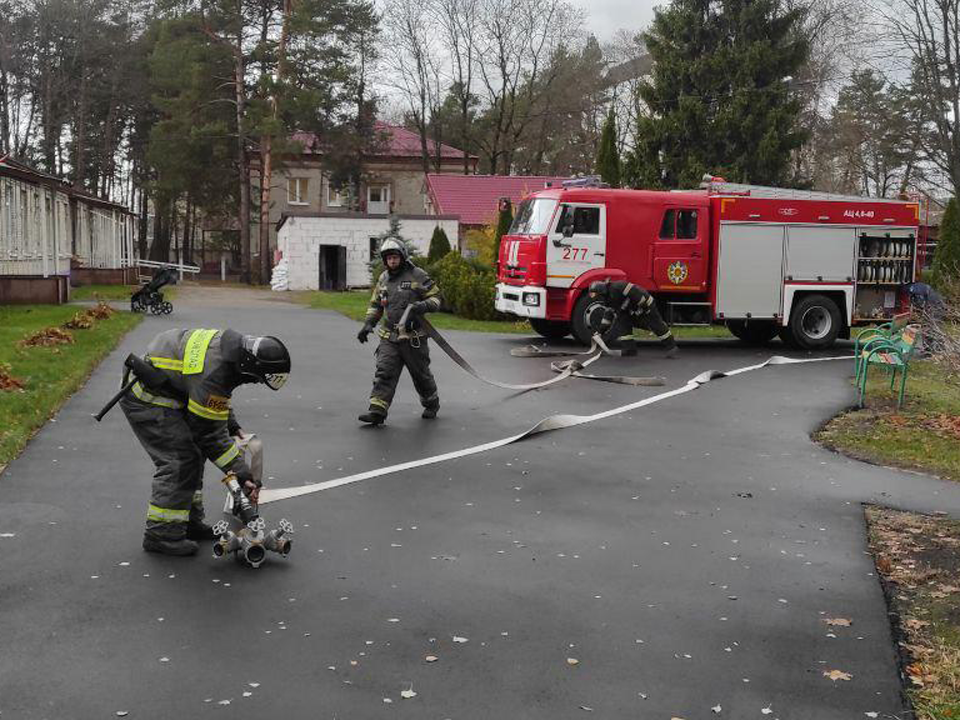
<point x="167" y="515"/>
<point x="196" y="350"/>
<point x="205" y="412"/>
<point x="379" y="403"/>
<point x="166" y="363"/>
<point x="225" y="459"/>
<point x="152" y="399"/>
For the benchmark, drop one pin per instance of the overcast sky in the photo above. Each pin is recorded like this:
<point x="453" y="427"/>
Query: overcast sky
<point x="605" y="17"/>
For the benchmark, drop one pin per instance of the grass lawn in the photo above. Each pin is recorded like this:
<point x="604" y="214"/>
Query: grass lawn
<point x="924" y="435"/>
<point x="49" y="374"/>
<point x="109" y="293"/>
<point x="354" y="305"/>
<point x="918" y="558"/>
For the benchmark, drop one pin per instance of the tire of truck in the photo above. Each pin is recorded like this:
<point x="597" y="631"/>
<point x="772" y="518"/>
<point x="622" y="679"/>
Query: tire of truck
<point x="757" y="332"/>
<point x="581" y="327"/>
<point x="550" y="329"/>
<point x="815" y="322"/>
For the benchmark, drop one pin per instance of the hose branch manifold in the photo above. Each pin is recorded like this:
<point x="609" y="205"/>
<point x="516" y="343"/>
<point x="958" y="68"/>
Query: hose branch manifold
<point x="250" y="543"/>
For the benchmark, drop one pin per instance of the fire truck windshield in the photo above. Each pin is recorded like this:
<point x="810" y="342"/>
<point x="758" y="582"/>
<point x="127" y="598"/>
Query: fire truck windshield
<point x="533" y="217"/>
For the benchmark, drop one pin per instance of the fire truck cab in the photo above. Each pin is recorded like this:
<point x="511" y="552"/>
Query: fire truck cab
<point x="764" y="261"/>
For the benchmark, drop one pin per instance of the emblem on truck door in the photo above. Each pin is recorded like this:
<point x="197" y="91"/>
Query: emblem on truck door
<point x="677" y="272"/>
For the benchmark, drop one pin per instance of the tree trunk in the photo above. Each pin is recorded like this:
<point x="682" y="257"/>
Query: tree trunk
<point x="242" y="157"/>
<point x="81" y="127"/>
<point x="266" y="171"/>
<point x="4" y="113"/>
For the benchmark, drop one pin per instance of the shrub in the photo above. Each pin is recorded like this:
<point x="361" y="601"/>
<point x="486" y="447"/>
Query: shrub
<point x="439" y="245"/>
<point x="468" y="287"/>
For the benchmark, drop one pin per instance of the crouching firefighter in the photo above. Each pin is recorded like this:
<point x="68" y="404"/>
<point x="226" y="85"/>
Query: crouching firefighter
<point x="401" y="296"/>
<point x="624" y="299"/>
<point x="178" y="406"/>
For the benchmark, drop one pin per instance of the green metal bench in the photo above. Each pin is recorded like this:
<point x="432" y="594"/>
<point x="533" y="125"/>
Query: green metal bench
<point x="889" y="331"/>
<point x="893" y="355"/>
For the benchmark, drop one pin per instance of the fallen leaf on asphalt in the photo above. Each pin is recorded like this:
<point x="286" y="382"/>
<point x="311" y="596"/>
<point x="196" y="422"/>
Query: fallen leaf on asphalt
<point x="837" y="675"/>
<point x="872" y="714"/>
<point x="387" y="700"/>
<point x="588" y="709"/>
<point x="407" y="694"/>
<point x="716" y="709"/>
<point x="122" y="713"/>
<point x="572" y="661"/>
<point x="431" y="658"/>
<point x="840" y="622"/>
<point x="458" y="639"/>
<point x="223" y="702"/>
<point x="767" y="710"/>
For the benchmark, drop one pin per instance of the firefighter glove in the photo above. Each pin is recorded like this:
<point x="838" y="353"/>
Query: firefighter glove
<point x="364" y="333"/>
<point x="244" y="476"/>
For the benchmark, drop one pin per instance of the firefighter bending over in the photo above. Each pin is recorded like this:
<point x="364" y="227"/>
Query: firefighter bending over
<point x="624" y="299"/>
<point x="400" y="286"/>
<point x="182" y="417"/>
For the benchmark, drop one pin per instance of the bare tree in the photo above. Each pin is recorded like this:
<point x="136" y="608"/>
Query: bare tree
<point x="415" y="66"/>
<point x="460" y="20"/>
<point x="929" y="33"/>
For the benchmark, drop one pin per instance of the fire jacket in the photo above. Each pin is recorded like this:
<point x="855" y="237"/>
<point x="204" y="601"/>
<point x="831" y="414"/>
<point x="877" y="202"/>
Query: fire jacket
<point x="201" y="370"/>
<point x="393" y="293"/>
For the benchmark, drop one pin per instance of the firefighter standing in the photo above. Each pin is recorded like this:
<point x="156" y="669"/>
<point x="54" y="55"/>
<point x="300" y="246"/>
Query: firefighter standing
<point x="182" y="417"/>
<point x="402" y="284"/>
<point x="626" y="299"/>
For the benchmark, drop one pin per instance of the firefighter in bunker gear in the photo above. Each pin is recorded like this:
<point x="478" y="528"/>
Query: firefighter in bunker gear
<point x="626" y="299"/>
<point x="402" y="284"/>
<point x="186" y="419"/>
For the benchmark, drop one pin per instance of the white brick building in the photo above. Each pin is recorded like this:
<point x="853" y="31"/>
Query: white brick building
<point x="330" y="251"/>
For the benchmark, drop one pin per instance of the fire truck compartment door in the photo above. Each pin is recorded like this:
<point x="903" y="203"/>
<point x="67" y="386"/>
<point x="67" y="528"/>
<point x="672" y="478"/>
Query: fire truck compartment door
<point x="679" y="253"/>
<point x="821" y="254"/>
<point x="569" y="257"/>
<point x="750" y="270"/>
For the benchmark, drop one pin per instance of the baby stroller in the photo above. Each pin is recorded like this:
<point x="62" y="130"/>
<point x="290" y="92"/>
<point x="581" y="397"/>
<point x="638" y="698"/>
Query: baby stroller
<point x="149" y="296"/>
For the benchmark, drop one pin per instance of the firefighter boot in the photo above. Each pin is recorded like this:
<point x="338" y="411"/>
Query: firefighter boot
<point x="429" y="413"/>
<point x="166" y="546"/>
<point x="373" y="416"/>
<point x="672" y="352"/>
<point x="200" y="531"/>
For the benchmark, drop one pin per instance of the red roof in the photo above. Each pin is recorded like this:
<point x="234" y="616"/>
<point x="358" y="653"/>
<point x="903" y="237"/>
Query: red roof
<point x="395" y="141"/>
<point x="475" y="197"/>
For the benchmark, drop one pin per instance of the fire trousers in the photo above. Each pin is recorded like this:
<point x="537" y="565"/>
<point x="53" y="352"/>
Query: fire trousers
<point x="392" y="358"/>
<point x="176" y="496"/>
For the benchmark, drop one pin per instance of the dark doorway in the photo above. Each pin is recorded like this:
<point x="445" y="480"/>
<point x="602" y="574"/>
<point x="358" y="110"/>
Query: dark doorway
<point x="333" y="267"/>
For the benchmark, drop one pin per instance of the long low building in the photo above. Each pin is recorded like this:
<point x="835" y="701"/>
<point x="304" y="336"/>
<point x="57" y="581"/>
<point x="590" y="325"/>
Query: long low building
<point x="52" y="234"/>
<point x="331" y="251"/>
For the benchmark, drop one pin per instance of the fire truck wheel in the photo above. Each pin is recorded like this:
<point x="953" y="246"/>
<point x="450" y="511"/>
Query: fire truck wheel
<point x="757" y="332"/>
<point x="581" y="325"/>
<point x="815" y="322"/>
<point x="550" y="329"/>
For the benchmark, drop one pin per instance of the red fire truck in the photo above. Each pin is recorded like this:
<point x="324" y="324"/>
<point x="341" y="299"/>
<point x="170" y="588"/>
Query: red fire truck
<point x="764" y="261"/>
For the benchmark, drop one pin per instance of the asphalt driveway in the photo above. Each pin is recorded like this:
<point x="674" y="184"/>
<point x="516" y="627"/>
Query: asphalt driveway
<point x="676" y="561"/>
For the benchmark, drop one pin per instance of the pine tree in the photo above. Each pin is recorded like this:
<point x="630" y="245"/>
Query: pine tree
<point x="439" y="245"/>
<point x="946" y="260"/>
<point x="608" y="159"/>
<point x="719" y="96"/>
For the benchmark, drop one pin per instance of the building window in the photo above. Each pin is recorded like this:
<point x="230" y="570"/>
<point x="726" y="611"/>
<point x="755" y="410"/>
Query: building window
<point x="335" y="197"/>
<point x="374" y="246"/>
<point x="297" y="191"/>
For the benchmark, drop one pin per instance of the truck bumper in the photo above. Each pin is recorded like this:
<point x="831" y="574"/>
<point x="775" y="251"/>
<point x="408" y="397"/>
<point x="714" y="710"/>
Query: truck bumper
<point x="521" y="300"/>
